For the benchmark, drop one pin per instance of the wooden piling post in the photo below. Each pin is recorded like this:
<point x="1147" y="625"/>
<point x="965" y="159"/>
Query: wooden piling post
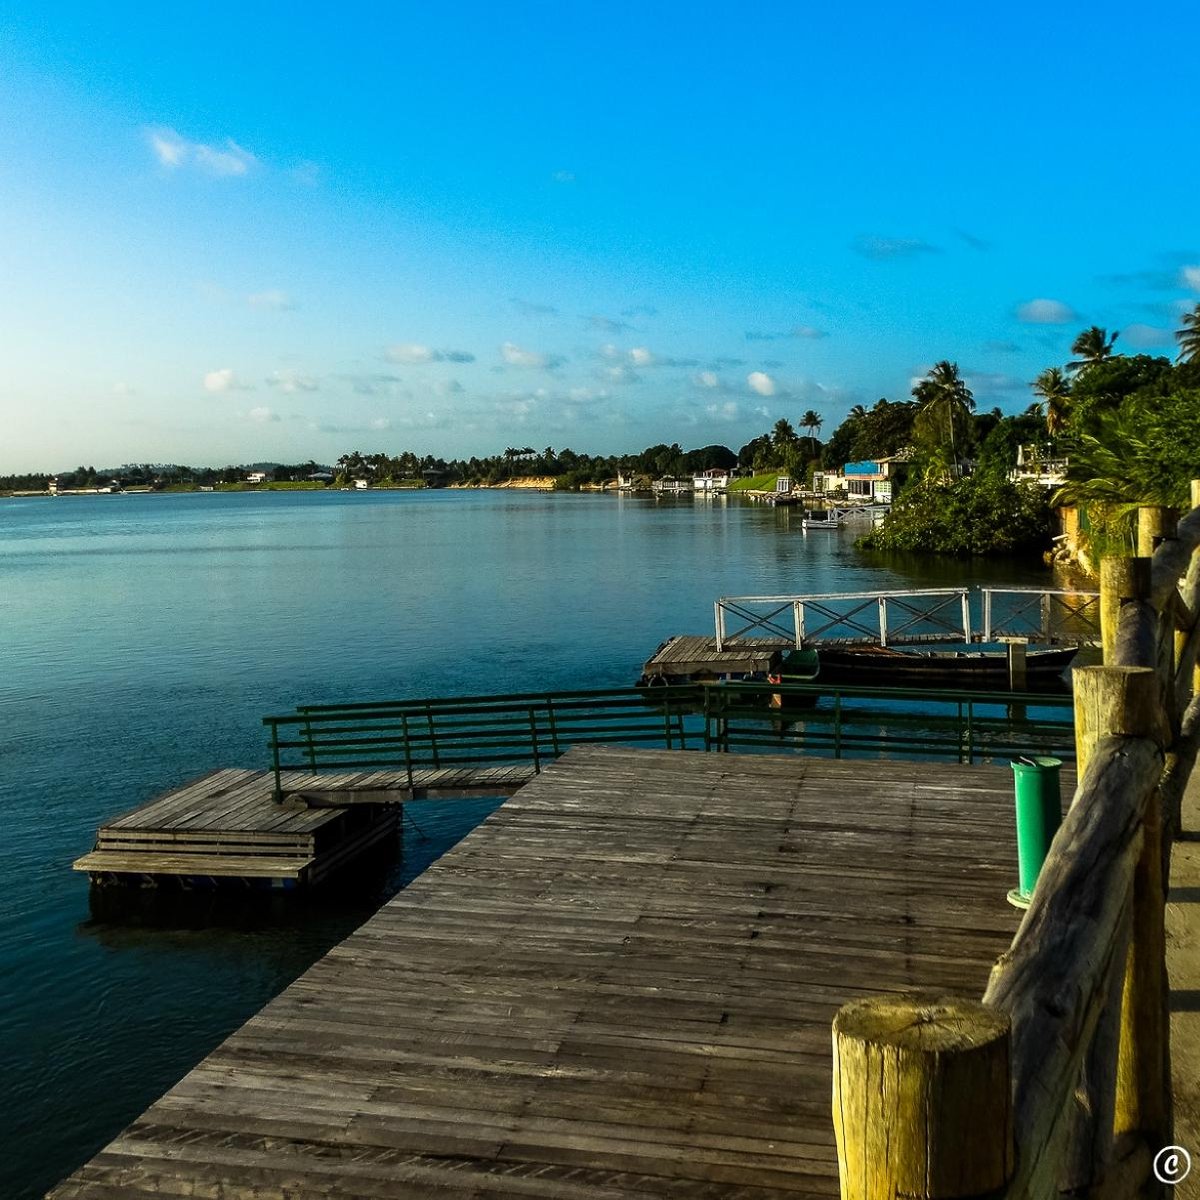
<point x="1115" y="700"/>
<point x="1018" y="678"/>
<point x="1121" y="579"/>
<point x="922" y="1098"/>
<point x="1155" y="524"/>
<point x="1127" y="701"/>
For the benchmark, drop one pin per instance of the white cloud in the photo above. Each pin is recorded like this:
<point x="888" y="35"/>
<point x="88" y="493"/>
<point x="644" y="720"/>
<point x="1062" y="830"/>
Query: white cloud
<point x="411" y="352"/>
<point x="723" y="412"/>
<point x="290" y="381"/>
<point x="1191" y="277"/>
<point x="1147" y="336"/>
<point x="262" y="415"/>
<point x="563" y="176"/>
<point x="379" y="423"/>
<point x="761" y="382"/>
<point x="273" y="300"/>
<point x="517" y="356"/>
<point x="808" y="331"/>
<point x="222" y="380"/>
<point x="640" y="356"/>
<point x="708" y="379"/>
<point x="415" y="353"/>
<point x="621" y="374"/>
<point x="609" y="351"/>
<point x="173" y="151"/>
<point x="1045" y="312"/>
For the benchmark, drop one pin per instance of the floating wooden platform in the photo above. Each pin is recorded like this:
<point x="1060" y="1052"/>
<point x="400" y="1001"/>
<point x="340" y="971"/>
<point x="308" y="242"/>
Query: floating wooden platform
<point x="686" y="657"/>
<point x="621" y="984"/>
<point x="228" y="826"/>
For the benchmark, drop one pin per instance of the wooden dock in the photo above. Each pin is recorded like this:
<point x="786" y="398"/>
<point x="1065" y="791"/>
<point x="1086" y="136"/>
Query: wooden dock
<point x="227" y="826"/>
<point x="621" y="984"/>
<point x="690" y="658"/>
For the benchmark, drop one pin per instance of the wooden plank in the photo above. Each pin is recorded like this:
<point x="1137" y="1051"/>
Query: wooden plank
<point x="620" y="984"/>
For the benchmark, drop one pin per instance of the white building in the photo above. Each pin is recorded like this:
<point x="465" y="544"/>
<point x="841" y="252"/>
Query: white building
<point x="716" y="479"/>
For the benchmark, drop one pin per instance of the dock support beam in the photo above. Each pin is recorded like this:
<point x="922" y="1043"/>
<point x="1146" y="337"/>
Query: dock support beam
<point x="922" y="1099"/>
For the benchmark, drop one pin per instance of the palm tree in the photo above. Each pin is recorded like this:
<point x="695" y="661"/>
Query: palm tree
<point x="1188" y="336"/>
<point x="943" y="395"/>
<point x="812" y="421"/>
<point x="856" y="413"/>
<point x="1090" y="347"/>
<point x="1055" y="390"/>
<point x="783" y="434"/>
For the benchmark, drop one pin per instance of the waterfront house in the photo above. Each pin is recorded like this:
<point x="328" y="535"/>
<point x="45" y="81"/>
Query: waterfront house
<point x="669" y="485"/>
<point x="257" y="477"/>
<point x="715" y="479"/>
<point x="1037" y="464"/>
<point x="871" y="480"/>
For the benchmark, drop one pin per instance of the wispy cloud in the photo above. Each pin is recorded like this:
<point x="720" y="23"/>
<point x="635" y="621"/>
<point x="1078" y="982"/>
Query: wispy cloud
<point x="290" y="381"/>
<point x="263" y="415"/>
<point x="371" y="383"/>
<point x="881" y="249"/>
<point x="563" y="176"/>
<point x="415" y="353"/>
<point x="969" y="239"/>
<point x="174" y="151"/>
<point x="609" y="324"/>
<point x="708" y="380"/>
<point x="1147" y="337"/>
<point x="1190" y="277"/>
<point x="640" y="310"/>
<point x="997" y="346"/>
<point x="224" y="379"/>
<point x="809" y="332"/>
<point x="273" y="300"/>
<point x="1046" y="312"/>
<point x="529" y="308"/>
<point x="518" y="356"/>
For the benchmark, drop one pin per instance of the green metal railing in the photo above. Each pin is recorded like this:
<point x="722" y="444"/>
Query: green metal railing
<point x="536" y="727"/>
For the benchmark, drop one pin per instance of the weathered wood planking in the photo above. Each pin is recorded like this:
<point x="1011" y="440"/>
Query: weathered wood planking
<point x="690" y="656"/>
<point x="227" y="824"/>
<point x="621" y="984"/>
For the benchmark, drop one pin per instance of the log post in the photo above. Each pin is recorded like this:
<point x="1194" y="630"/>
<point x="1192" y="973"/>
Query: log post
<point x="1121" y="701"/>
<point x="922" y="1098"/>
<point x="1121" y="579"/>
<point x="1126" y="701"/>
<point x="1156" y="523"/>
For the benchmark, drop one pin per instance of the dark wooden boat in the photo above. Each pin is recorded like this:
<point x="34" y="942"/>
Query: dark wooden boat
<point x="884" y="665"/>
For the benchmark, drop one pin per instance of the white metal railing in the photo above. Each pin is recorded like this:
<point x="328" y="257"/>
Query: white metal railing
<point x="908" y="617"/>
<point x="876" y="618"/>
<point x="1041" y="615"/>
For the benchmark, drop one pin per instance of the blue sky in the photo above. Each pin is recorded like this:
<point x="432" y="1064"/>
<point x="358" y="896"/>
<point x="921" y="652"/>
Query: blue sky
<point x="239" y="232"/>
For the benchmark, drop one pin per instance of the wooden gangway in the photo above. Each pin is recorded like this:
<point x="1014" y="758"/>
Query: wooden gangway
<point x="621" y="984"/>
<point x="911" y="616"/>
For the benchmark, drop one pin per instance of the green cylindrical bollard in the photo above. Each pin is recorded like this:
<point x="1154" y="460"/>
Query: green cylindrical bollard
<point x="1039" y="813"/>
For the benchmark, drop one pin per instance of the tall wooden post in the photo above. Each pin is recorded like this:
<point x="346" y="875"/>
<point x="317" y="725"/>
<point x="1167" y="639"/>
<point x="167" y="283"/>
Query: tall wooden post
<point x="1126" y="701"/>
<point x="1121" y="579"/>
<point x="1155" y="524"/>
<point x="922" y="1098"/>
<point x="1121" y="701"/>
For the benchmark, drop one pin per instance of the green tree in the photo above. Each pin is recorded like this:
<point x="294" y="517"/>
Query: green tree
<point x="1053" y="386"/>
<point x="783" y="434"/>
<point x="1092" y="346"/>
<point x="946" y="404"/>
<point x="1188" y="336"/>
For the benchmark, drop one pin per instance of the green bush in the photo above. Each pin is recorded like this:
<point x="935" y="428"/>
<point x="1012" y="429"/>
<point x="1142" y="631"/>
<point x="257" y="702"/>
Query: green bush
<point x="980" y="514"/>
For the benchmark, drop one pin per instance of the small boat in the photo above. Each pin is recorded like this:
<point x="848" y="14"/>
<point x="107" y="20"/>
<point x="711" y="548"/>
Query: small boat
<point x="885" y="664"/>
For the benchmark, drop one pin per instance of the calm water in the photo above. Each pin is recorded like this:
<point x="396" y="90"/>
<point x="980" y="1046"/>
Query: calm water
<point x="142" y="638"/>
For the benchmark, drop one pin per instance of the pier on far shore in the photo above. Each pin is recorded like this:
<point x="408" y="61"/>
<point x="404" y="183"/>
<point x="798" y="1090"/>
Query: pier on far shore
<point x="620" y="984"/>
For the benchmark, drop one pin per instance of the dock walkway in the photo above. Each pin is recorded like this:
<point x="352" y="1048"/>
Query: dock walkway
<point x="621" y="984"/>
<point x="227" y="825"/>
